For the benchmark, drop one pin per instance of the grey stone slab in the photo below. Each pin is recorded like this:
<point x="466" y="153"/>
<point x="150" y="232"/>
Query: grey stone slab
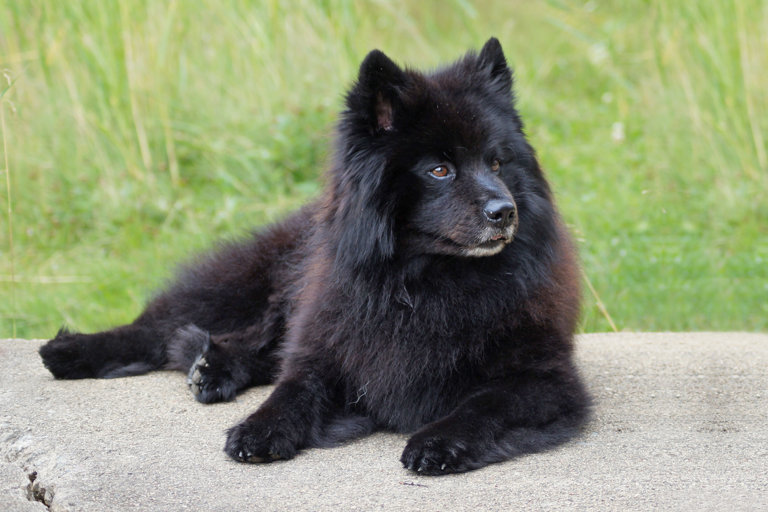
<point x="681" y="423"/>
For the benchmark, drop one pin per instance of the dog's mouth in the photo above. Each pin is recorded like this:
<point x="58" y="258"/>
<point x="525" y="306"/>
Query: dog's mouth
<point x="490" y="246"/>
<point x="498" y="238"/>
<point x="486" y="244"/>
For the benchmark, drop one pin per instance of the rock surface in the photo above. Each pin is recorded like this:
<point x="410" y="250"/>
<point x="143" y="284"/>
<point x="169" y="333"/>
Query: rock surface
<point x="681" y="423"/>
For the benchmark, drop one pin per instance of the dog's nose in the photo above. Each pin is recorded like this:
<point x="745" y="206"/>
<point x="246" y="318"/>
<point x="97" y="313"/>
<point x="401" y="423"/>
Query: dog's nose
<point x="500" y="212"/>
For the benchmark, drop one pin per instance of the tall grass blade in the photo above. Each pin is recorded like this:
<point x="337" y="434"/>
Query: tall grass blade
<point x="9" y="198"/>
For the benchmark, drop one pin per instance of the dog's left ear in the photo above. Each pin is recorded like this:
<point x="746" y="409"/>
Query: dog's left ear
<point x="375" y="96"/>
<point x="492" y="63"/>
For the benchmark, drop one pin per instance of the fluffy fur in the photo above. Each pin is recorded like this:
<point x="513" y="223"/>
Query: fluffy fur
<point x="431" y="289"/>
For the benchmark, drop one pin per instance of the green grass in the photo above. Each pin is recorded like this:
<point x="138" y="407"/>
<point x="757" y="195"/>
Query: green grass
<point x="137" y="132"/>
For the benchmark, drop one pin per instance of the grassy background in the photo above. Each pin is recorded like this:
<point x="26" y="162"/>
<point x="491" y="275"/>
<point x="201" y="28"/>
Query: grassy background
<point x="134" y="133"/>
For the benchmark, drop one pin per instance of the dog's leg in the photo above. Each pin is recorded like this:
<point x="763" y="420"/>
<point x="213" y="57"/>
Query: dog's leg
<point x="167" y="336"/>
<point x="235" y="288"/>
<point x="282" y="425"/>
<point x="225" y="364"/>
<point x="127" y="350"/>
<point x="524" y="414"/>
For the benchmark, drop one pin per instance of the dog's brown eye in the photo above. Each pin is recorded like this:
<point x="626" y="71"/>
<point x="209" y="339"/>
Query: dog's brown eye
<point x="495" y="166"/>
<point x="440" y="171"/>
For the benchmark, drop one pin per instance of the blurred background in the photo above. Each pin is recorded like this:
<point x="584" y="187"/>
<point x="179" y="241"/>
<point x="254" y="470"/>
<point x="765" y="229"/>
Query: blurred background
<point x="135" y="133"/>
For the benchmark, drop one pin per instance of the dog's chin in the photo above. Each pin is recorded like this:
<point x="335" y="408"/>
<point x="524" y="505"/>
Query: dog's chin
<point x="488" y="248"/>
<point x="492" y="243"/>
<point x="419" y="242"/>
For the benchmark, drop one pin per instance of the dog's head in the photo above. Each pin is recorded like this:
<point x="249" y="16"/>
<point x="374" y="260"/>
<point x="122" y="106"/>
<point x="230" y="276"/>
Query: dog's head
<point x="434" y="163"/>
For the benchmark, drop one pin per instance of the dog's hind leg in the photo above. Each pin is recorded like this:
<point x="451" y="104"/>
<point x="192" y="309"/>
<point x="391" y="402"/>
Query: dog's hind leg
<point x="169" y="337"/>
<point x="221" y="365"/>
<point x="132" y="349"/>
<point x="127" y="350"/>
<point x="218" y="364"/>
<point x="239" y="293"/>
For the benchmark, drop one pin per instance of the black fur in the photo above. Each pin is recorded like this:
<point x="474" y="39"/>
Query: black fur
<point x="431" y="289"/>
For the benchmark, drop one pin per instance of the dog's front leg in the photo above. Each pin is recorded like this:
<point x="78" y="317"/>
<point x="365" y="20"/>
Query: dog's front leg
<point x="523" y="414"/>
<point x="282" y="425"/>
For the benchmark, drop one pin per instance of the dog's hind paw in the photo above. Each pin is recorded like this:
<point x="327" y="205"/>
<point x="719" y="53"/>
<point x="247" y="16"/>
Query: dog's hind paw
<point x="66" y="358"/>
<point x="210" y="382"/>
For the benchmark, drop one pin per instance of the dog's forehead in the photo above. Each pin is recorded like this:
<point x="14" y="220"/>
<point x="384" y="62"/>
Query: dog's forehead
<point x="456" y="115"/>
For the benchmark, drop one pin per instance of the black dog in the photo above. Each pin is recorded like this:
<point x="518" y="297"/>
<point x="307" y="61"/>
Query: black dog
<point x="431" y="289"/>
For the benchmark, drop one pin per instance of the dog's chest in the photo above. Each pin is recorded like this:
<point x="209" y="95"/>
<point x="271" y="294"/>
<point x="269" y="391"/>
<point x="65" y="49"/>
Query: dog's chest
<point x="405" y="372"/>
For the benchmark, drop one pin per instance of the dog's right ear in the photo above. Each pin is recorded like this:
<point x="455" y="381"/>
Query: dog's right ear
<point x="375" y="96"/>
<point x="493" y="65"/>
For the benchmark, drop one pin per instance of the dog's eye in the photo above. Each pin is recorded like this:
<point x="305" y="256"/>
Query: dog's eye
<point x="440" y="171"/>
<point x="495" y="166"/>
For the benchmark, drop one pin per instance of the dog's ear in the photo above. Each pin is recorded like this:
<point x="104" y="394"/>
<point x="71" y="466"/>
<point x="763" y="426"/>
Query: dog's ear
<point x="375" y="96"/>
<point x="493" y="65"/>
<point x="364" y="220"/>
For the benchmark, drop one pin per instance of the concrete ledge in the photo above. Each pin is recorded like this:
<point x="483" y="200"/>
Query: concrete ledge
<point x="681" y="424"/>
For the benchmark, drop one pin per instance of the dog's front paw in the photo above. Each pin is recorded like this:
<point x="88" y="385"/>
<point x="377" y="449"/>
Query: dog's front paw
<point x="257" y="440"/>
<point x="430" y="454"/>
